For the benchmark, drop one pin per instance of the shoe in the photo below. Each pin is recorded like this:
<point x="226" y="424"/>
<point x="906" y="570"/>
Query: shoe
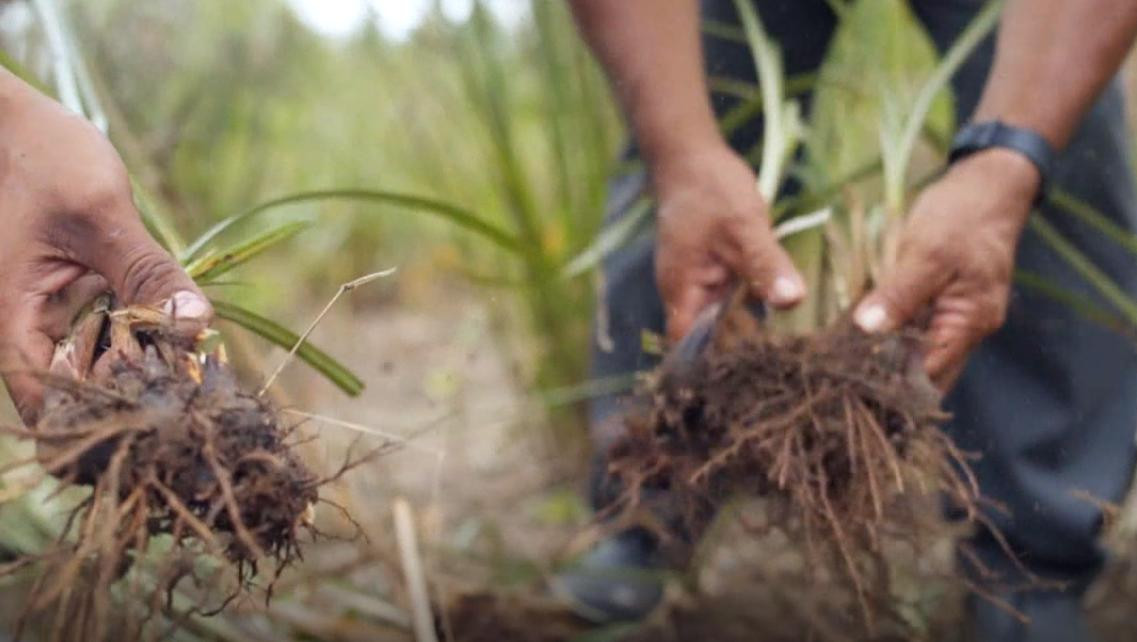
<point x="618" y="581"/>
<point x="1054" y="616"/>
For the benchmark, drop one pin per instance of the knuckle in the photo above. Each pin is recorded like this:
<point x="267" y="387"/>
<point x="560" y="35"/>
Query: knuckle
<point x="145" y="274"/>
<point x="103" y="192"/>
<point x="996" y="318"/>
<point x="936" y="253"/>
<point x="747" y="214"/>
<point x="754" y="250"/>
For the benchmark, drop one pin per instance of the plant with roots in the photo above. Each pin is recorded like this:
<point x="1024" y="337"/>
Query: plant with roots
<point x="183" y="465"/>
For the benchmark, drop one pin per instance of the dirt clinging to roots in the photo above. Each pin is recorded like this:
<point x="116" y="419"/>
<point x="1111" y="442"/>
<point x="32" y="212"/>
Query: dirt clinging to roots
<point x="836" y="426"/>
<point x="171" y="447"/>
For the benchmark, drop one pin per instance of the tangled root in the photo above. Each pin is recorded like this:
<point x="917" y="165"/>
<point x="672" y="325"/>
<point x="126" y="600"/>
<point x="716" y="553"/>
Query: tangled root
<point x="836" y="427"/>
<point x="172" y="447"/>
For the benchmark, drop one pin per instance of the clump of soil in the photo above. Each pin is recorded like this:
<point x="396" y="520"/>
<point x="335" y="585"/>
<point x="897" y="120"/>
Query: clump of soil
<point x="172" y="447"/>
<point x="836" y="427"/>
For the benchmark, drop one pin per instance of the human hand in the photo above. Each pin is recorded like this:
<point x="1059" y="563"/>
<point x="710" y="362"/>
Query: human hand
<point x="70" y="232"/>
<point x="957" y="254"/>
<point x="714" y="228"/>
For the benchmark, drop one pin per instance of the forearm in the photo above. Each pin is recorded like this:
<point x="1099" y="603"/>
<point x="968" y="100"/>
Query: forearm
<point x="652" y="53"/>
<point x="1054" y="57"/>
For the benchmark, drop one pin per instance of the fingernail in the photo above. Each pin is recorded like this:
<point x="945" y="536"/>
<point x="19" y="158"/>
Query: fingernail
<point x="186" y="305"/>
<point x="871" y="317"/>
<point x="785" y="290"/>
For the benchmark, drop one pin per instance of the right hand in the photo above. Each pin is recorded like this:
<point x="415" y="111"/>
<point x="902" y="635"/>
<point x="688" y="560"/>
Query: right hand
<point x="70" y="231"/>
<point x="714" y="228"/>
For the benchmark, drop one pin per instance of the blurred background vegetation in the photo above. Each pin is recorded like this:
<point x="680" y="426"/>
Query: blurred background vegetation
<point x="492" y="107"/>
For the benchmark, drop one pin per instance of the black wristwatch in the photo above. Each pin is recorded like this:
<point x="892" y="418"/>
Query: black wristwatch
<point x="975" y="137"/>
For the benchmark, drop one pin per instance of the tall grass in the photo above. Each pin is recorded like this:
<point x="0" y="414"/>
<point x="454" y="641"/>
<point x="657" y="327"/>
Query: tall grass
<point x="515" y="129"/>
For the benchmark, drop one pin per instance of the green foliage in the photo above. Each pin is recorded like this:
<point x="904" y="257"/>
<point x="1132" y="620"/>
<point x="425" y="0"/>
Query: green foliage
<point x="878" y="60"/>
<point x="506" y="138"/>
<point x="285" y="338"/>
<point x="215" y="263"/>
<point x="458" y="216"/>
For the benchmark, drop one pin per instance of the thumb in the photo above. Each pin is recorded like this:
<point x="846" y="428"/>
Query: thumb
<point x="767" y="268"/>
<point x="904" y="290"/>
<point x="141" y="272"/>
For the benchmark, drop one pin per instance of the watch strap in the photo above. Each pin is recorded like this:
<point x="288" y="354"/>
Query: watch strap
<point x="976" y="137"/>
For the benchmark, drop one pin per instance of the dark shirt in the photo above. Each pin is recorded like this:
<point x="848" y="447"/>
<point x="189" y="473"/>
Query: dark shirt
<point x="802" y="28"/>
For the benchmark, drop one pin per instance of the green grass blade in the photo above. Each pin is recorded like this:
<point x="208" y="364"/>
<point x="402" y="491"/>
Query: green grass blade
<point x="273" y="332"/>
<point x="739" y="89"/>
<point x="1087" y="214"/>
<point x="609" y="240"/>
<point x="457" y="215"/>
<point x="1076" y="301"/>
<point x="212" y="265"/>
<point x="724" y="31"/>
<point x="898" y="159"/>
<point x="783" y="128"/>
<point x="1081" y="264"/>
<point x="824" y="195"/>
<point x="159" y="225"/>
<point x="557" y="92"/>
<point x="20" y="71"/>
<point x="486" y="83"/>
<point x="587" y="390"/>
<point x="751" y="97"/>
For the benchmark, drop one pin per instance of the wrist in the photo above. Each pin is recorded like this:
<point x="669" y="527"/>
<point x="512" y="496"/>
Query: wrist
<point x="684" y="158"/>
<point x="662" y="145"/>
<point x="1005" y="171"/>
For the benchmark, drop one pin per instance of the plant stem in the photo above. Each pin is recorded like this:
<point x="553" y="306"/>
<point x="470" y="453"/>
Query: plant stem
<point x="898" y="157"/>
<point x="407" y="540"/>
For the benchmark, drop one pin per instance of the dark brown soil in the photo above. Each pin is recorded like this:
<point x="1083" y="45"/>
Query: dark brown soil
<point x="838" y="427"/>
<point x="172" y="447"/>
<point x="740" y="615"/>
<point x="481" y="617"/>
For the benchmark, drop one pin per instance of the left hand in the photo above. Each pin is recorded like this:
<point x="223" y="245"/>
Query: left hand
<point x="69" y="229"/>
<point x="957" y="254"/>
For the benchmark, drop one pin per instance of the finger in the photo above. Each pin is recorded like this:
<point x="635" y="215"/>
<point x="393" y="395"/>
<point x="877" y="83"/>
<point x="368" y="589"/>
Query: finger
<point x="140" y="271"/>
<point x="60" y="310"/>
<point x="944" y="365"/>
<point x="683" y="309"/>
<point x="44" y="320"/>
<point x="949" y="376"/>
<point x="911" y="284"/>
<point x="21" y="361"/>
<point x="949" y="343"/>
<point x="767" y="269"/>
